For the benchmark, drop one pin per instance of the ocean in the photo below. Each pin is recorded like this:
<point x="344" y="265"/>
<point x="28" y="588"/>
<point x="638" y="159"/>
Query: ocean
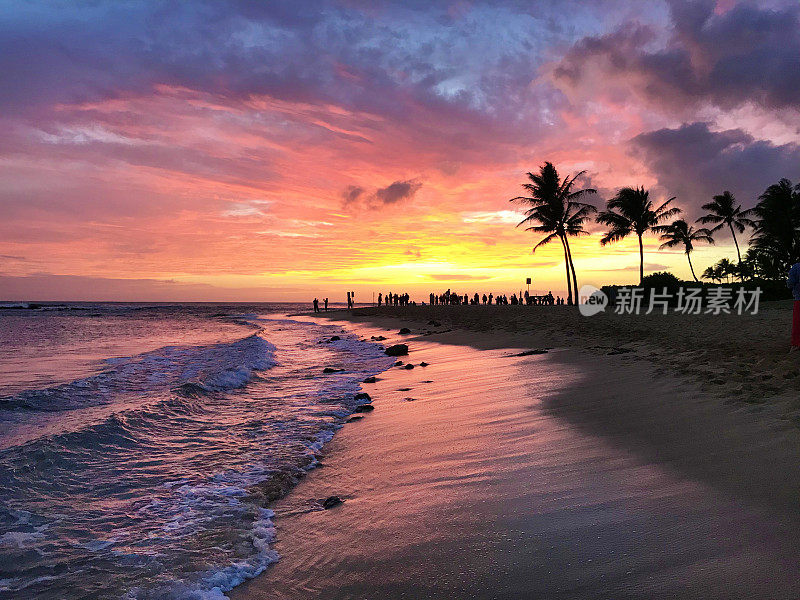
<point x="139" y="442"/>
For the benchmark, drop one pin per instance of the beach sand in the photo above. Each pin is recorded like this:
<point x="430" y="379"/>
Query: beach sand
<point x="583" y="472"/>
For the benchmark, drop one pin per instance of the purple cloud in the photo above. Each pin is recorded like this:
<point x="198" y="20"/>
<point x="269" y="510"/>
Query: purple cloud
<point x="750" y="53"/>
<point x="694" y="163"/>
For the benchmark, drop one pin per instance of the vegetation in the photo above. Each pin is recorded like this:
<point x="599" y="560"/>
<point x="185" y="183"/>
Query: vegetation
<point x="556" y="210"/>
<point x="680" y="233"/>
<point x="724" y="269"/>
<point x="776" y="231"/>
<point x="723" y="210"/>
<point x="631" y="211"/>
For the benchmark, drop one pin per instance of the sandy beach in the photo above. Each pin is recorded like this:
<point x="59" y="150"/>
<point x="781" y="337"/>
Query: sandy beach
<point x="611" y="466"/>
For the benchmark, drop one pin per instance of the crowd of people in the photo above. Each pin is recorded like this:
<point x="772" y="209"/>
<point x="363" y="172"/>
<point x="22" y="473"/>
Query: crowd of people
<point x="450" y="298"/>
<point x="454" y="298"/>
<point x="392" y="299"/>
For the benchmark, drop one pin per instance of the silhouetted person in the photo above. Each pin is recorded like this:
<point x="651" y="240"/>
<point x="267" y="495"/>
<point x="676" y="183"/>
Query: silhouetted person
<point x="793" y="283"/>
<point x="380" y="298"/>
<point x="326" y="305"/>
<point x="316" y="305"/>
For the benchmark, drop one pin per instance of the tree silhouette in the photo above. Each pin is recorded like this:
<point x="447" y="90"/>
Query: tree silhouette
<point x="713" y="273"/>
<point x="726" y="269"/>
<point x="631" y="211"/>
<point x="555" y="210"/>
<point x="680" y="233"/>
<point x="776" y="233"/>
<point x="724" y="210"/>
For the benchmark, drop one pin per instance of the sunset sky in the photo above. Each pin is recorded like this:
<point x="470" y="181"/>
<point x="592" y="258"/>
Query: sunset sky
<point x="243" y="150"/>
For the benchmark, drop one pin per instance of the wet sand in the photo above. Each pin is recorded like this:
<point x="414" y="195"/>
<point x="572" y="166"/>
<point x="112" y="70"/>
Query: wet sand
<point x="570" y="474"/>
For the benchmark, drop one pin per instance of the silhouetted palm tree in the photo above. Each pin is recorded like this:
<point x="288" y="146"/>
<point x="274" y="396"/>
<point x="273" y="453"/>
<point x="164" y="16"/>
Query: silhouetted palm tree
<point x="776" y="234"/>
<point x="725" y="211"/>
<point x="631" y="211"/>
<point x="680" y="233"/>
<point x="556" y="211"/>
<point x="713" y="273"/>
<point x="726" y="269"/>
<point x="759" y="264"/>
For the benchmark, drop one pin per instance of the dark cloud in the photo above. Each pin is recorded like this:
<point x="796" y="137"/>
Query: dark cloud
<point x="351" y="194"/>
<point x="394" y="193"/>
<point x="694" y="163"/>
<point x="397" y="191"/>
<point x="750" y="53"/>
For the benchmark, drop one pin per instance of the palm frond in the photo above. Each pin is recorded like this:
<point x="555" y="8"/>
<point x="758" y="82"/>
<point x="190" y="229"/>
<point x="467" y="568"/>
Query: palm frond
<point x="544" y="242"/>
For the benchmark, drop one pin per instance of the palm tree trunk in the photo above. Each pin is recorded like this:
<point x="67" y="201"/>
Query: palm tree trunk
<point x="566" y="265"/>
<point x="739" y="254"/>
<point x="689" y="258"/>
<point x="572" y="268"/>
<point x="641" y="259"/>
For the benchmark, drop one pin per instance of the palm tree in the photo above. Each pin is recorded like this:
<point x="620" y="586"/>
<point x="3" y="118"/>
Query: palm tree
<point x="724" y="210"/>
<point x="776" y="234"/>
<point x="556" y="211"/>
<point x="574" y="221"/>
<point x="679" y="233"/>
<point x="631" y="211"/>
<point x="726" y="269"/>
<point x="713" y="274"/>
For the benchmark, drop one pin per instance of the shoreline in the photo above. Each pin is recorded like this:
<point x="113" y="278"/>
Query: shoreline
<point x="702" y="400"/>
<point x="741" y="480"/>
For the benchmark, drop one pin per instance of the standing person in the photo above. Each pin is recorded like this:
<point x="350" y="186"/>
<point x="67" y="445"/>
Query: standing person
<point x="316" y="305"/>
<point x="326" y="305"/>
<point x="380" y="298"/>
<point x="349" y="302"/>
<point x="793" y="283"/>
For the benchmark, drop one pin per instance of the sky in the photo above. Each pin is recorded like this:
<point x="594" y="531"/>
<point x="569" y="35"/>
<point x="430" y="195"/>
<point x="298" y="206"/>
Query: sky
<point x="235" y="150"/>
